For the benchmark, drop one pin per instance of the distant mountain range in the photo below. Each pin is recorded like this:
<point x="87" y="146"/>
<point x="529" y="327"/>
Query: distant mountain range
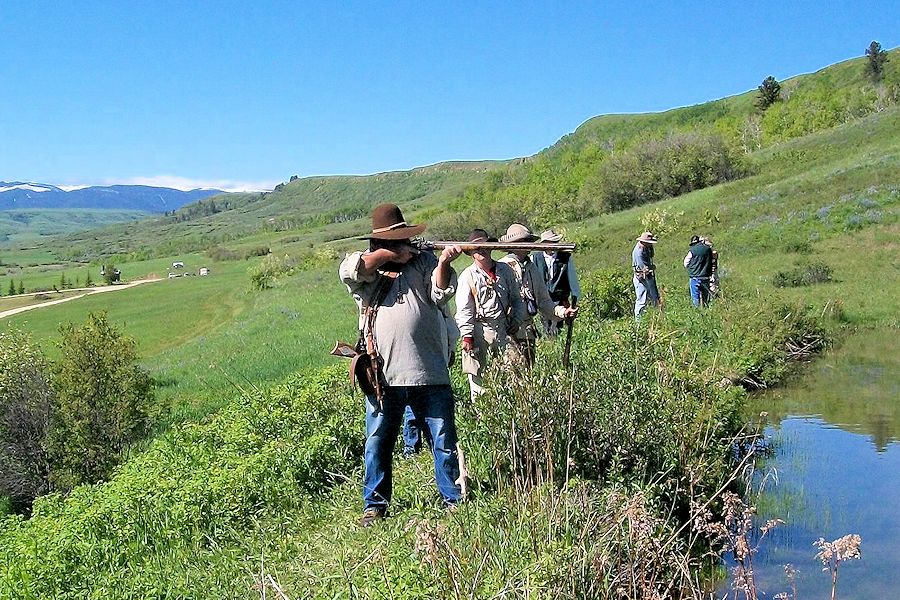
<point x="27" y="195"/>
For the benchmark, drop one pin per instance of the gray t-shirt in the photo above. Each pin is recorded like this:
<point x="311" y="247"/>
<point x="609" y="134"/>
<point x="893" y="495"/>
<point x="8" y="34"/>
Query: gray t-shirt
<point x="410" y="328"/>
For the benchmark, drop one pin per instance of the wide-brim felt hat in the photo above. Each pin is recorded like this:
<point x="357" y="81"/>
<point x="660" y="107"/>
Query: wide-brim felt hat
<point x="480" y="235"/>
<point x="550" y="236"/>
<point x="518" y="233"/>
<point x="388" y="224"/>
<point x="647" y="238"/>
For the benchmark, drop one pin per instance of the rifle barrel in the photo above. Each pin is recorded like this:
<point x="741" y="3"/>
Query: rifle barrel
<point x="427" y="244"/>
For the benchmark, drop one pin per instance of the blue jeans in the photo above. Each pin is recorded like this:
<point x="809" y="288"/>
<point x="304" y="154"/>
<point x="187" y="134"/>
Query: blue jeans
<point x="699" y="291"/>
<point x="645" y="291"/>
<point x="432" y="405"/>
<point x="412" y="433"/>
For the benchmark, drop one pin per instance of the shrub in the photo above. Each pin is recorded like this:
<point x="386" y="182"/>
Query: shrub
<point x="26" y="402"/>
<point x="657" y="168"/>
<point x="196" y="488"/>
<point x="102" y="399"/>
<point x="264" y="273"/>
<point x="606" y="294"/>
<point x="798" y="247"/>
<point x="812" y="273"/>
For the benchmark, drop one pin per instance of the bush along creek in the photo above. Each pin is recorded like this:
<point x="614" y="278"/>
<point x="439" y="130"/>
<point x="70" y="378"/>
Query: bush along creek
<point x="601" y="479"/>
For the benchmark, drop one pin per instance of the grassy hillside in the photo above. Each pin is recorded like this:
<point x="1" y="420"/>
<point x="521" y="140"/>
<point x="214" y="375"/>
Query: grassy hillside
<point x="26" y="227"/>
<point x="303" y="204"/>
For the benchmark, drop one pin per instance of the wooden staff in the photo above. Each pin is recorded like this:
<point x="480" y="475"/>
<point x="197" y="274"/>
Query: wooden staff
<point x="569" y="323"/>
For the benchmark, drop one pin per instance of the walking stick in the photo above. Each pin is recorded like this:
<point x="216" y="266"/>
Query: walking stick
<point x="569" y="322"/>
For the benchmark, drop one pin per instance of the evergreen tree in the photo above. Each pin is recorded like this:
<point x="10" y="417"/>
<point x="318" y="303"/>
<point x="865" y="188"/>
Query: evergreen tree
<point x="875" y="63"/>
<point x="769" y="93"/>
<point x="87" y="280"/>
<point x="12" y="288"/>
<point x="21" y="287"/>
<point x="62" y="281"/>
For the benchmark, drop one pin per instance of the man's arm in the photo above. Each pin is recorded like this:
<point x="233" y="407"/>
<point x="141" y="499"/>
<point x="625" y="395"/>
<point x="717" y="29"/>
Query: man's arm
<point x="465" y="306"/>
<point x="687" y="258"/>
<point x="443" y="272"/>
<point x="375" y="259"/>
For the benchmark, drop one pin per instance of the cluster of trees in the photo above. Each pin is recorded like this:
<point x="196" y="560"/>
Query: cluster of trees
<point x="576" y="183"/>
<point x="14" y="289"/>
<point x="200" y="208"/>
<point x="68" y="422"/>
<point x="822" y="105"/>
<point x="659" y="168"/>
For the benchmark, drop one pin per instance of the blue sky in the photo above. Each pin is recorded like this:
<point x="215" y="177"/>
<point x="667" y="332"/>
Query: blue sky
<point x="246" y="94"/>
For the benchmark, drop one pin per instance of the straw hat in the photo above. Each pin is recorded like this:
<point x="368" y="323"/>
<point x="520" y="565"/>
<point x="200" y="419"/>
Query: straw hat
<point x="518" y="233"/>
<point x="550" y="236"/>
<point x="388" y="224"/>
<point x="647" y="238"/>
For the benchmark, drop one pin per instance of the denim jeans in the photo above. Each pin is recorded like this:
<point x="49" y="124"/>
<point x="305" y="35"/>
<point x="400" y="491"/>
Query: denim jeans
<point x="433" y="407"/>
<point x="645" y="291"/>
<point x="412" y="433"/>
<point x="700" y="291"/>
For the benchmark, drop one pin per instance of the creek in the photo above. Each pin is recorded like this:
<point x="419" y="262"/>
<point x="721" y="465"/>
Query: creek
<point x="834" y="470"/>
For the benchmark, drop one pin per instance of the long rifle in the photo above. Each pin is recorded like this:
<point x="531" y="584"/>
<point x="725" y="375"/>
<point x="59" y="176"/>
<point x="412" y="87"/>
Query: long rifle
<point x="569" y="323"/>
<point x="509" y="246"/>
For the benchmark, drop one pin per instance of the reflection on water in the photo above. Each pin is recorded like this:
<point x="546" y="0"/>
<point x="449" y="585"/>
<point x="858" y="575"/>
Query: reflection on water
<point x="837" y="468"/>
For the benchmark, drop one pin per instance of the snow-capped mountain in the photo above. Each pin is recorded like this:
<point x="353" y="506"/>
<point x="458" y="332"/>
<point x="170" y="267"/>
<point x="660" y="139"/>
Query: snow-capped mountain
<point x="25" y="195"/>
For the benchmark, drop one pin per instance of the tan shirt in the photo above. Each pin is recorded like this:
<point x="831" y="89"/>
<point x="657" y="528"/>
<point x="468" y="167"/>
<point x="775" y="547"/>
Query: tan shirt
<point x="533" y="288"/>
<point x="495" y="302"/>
<point x="410" y="328"/>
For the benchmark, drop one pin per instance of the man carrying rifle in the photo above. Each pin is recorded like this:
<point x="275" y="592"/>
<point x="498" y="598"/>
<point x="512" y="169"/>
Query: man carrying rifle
<point x="645" y="289"/>
<point x="534" y="292"/>
<point x="558" y="271"/>
<point x="488" y="308"/>
<point x="402" y="294"/>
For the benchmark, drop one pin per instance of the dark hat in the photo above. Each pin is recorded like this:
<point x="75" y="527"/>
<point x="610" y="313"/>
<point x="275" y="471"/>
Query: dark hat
<point x="480" y="235"/>
<point x="695" y="239"/>
<point x="388" y="224"/>
<point x="518" y="233"/>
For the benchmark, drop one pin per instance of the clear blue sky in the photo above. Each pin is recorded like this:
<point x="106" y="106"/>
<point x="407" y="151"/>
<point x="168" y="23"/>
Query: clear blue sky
<point x="250" y="93"/>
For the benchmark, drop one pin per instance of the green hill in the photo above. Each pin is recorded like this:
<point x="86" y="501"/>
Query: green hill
<point x="302" y="204"/>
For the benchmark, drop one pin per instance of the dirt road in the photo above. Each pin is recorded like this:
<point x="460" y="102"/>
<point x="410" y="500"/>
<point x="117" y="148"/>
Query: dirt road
<point x="87" y="292"/>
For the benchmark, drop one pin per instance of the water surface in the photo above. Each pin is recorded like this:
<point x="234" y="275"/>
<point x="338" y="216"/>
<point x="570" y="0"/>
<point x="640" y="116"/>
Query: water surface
<point x="835" y="470"/>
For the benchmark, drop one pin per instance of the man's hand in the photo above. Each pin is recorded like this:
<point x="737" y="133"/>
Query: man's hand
<point x="571" y="313"/>
<point x="449" y="254"/>
<point x="468" y="344"/>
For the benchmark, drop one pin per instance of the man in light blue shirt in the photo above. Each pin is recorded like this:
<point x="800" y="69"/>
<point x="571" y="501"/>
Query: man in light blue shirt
<point x="644" y="274"/>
